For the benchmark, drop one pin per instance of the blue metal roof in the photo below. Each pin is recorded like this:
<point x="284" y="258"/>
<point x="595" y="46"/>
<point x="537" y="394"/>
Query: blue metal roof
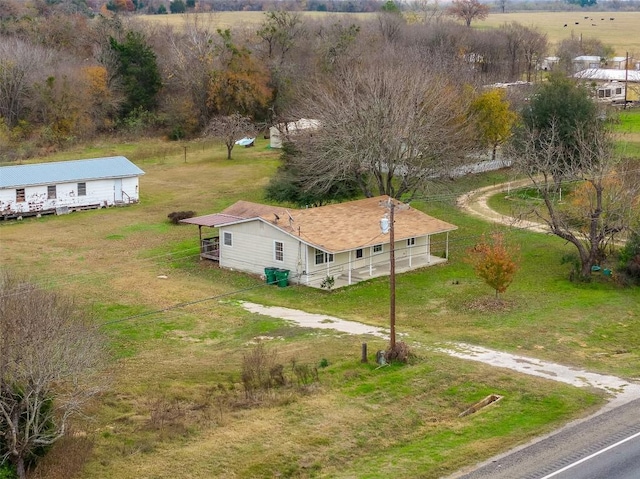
<point x="19" y="176"/>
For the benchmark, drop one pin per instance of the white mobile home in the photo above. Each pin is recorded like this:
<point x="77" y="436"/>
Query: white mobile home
<point x="339" y="241"/>
<point x="612" y="85"/>
<point x="64" y="186"/>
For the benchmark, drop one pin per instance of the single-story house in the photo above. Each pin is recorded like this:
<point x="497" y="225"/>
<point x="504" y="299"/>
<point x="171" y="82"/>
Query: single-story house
<point x="341" y="241"/>
<point x="283" y="131"/>
<point x="587" y="61"/>
<point x="622" y="63"/>
<point x="611" y="84"/>
<point x="64" y="186"/>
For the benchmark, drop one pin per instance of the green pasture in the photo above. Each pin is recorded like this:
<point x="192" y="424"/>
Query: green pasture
<point x="175" y="404"/>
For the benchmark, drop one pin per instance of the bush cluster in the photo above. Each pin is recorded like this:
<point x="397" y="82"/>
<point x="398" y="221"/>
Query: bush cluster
<point x="176" y="216"/>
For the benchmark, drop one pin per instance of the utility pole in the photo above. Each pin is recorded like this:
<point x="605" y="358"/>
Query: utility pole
<point x="392" y="279"/>
<point x="626" y="80"/>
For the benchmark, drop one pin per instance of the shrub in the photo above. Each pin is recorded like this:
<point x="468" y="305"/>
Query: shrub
<point x="400" y="353"/>
<point x="629" y="260"/>
<point x="176" y="216"/>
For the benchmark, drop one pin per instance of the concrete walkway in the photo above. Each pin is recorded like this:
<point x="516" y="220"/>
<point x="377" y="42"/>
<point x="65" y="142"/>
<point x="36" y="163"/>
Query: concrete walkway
<point x="620" y="390"/>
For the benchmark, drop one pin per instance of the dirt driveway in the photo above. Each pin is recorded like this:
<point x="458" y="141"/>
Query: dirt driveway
<point x="620" y="390"/>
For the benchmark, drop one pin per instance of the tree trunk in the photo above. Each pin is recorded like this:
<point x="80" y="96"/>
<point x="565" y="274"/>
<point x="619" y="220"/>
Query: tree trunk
<point x="229" y="148"/>
<point x="21" y="470"/>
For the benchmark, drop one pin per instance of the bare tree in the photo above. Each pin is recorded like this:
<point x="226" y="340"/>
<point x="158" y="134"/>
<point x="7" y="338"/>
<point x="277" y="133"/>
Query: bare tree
<point x="20" y="63"/>
<point x="604" y="193"/>
<point x="49" y="357"/>
<point x="468" y="10"/>
<point x="386" y="123"/>
<point x="279" y="33"/>
<point x="229" y="129"/>
<point x="191" y="64"/>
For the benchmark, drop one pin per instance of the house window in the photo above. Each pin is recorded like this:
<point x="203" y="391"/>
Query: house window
<point x="20" y="195"/>
<point x="377" y="248"/>
<point x="51" y="192"/>
<point x="411" y="241"/>
<point x="227" y="238"/>
<point x="279" y="250"/>
<point x="322" y="257"/>
<point x="618" y="91"/>
<point x="82" y="189"/>
<point x="359" y="253"/>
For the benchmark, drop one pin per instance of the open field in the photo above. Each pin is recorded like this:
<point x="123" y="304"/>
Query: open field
<point x="622" y="33"/>
<point x="175" y="405"/>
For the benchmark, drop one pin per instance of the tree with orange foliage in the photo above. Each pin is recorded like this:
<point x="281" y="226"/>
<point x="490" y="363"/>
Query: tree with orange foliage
<point x="242" y="85"/>
<point x="468" y="10"/>
<point x="494" y="262"/>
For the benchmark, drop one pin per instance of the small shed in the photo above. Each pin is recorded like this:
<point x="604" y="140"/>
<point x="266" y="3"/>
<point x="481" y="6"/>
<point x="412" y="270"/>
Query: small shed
<point x="283" y="131"/>
<point x="65" y="186"/>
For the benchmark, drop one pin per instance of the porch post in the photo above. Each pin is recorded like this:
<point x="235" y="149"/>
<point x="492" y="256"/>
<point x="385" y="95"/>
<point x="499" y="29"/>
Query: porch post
<point x="446" y="252"/>
<point x="349" y="267"/>
<point x="370" y="260"/>
<point x="410" y="255"/>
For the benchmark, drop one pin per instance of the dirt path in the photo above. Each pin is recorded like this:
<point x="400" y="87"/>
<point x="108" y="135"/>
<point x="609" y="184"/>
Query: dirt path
<point x="475" y="203"/>
<point x="620" y="390"/>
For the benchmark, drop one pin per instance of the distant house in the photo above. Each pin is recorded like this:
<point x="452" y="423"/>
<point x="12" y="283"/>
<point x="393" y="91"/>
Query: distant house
<point x="611" y="85"/>
<point x="549" y="63"/>
<point x="343" y="241"/>
<point x="622" y="63"/>
<point x="284" y="131"/>
<point x="64" y="186"/>
<point x="587" y="61"/>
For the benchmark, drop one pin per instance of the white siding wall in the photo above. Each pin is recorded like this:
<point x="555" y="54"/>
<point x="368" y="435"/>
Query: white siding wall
<point x="253" y="249"/>
<point x="98" y="192"/>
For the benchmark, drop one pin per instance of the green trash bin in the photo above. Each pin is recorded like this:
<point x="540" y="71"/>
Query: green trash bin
<point x="282" y="277"/>
<point x="270" y="275"/>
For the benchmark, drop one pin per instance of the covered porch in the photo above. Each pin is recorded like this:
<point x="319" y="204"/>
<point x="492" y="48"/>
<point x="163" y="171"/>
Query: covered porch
<point x="384" y="269"/>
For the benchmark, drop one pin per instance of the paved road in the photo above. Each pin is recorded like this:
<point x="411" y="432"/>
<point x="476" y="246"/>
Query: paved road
<point x="558" y="455"/>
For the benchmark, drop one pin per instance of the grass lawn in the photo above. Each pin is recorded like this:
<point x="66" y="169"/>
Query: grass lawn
<point x="175" y="405"/>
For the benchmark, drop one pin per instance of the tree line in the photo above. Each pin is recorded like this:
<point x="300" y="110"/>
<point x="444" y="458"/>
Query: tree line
<point x="68" y="77"/>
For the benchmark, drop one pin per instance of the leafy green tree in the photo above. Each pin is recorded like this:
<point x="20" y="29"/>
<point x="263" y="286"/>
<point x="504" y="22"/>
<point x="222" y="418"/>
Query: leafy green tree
<point x="494" y="118"/>
<point x="137" y="71"/>
<point x="565" y="106"/>
<point x="604" y="198"/>
<point x="390" y="7"/>
<point x="178" y="6"/>
<point x="583" y="3"/>
<point x="629" y="258"/>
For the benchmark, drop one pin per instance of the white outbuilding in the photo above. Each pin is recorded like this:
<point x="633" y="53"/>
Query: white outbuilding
<point x="65" y="186"/>
<point x="284" y="131"/>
